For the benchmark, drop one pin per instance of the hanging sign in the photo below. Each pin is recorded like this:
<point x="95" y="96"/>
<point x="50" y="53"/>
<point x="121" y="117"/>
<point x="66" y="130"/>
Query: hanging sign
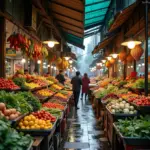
<point x="10" y="52"/>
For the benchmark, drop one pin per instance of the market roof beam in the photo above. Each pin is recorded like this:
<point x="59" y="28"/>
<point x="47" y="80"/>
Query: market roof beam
<point x="70" y="29"/>
<point x="60" y="21"/>
<point x="66" y="16"/>
<point x="71" y="4"/>
<point x="68" y="20"/>
<point x="67" y="11"/>
<point x="97" y="2"/>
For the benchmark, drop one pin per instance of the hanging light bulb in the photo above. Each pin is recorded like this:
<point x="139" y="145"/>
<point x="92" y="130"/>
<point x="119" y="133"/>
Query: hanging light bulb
<point x="109" y="58"/>
<point x="52" y="67"/>
<point x="23" y="60"/>
<point x="39" y="61"/>
<point x="131" y="43"/>
<point x="67" y="58"/>
<point x="70" y="61"/>
<point x="51" y="44"/>
<point x="48" y="66"/>
<point x="114" y="55"/>
<point x="103" y="61"/>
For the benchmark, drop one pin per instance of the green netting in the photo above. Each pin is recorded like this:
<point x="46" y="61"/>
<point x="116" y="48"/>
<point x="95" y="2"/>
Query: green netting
<point x="93" y="20"/>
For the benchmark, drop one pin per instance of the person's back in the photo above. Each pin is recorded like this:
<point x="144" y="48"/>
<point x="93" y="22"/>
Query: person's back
<point x="60" y="77"/>
<point x="76" y="83"/>
<point x="76" y="86"/>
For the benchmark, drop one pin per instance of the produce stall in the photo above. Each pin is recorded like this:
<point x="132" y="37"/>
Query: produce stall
<point x="36" y="106"/>
<point x="123" y="112"/>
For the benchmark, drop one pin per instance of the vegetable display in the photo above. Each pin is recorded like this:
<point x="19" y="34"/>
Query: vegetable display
<point x="44" y="115"/>
<point x="6" y="84"/>
<point x="31" y="122"/>
<point x="140" y="100"/>
<point x="54" y="111"/>
<point x="45" y="92"/>
<point x="53" y="105"/>
<point x="139" y="128"/>
<point x="10" y="139"/>
<point x="119" y="106"/>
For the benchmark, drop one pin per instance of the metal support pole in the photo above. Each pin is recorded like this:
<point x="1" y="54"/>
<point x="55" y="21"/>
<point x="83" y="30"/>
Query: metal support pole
<point x="146" y="2"/>
<point x="134" y="65"/>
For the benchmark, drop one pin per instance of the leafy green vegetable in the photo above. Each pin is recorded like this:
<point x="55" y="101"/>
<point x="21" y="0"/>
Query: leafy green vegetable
<point x="32" y="100"/>
<point x="10" y="139"/>
<point x="20" y="82"/>
<point x="135" y="127"/>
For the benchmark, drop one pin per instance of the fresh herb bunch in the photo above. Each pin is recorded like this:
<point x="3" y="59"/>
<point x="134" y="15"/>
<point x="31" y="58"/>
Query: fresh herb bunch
<point x="10" y="139"/>
<point x="135" y="127"/>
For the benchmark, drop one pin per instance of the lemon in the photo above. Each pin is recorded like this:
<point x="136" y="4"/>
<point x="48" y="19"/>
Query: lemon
<point x="25" y="123"/>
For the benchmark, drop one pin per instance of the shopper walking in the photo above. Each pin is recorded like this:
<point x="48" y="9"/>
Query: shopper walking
<point x="60" y="77"/>
<point x="85" y="85"/>
<point x="76" y="87"/>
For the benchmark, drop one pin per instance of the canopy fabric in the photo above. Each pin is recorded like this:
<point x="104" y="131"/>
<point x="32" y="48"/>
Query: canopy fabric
<point x="95" y="11"/>
<point x="122" y="16"/>
<point x="103" y="44"/>
<point x="69" y="15"/>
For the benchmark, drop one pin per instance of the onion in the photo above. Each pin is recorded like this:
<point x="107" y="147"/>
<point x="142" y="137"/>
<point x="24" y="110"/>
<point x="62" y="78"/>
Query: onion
<point x="7" y="112"/>
<point x="13" y="111"/>
<point x="12" y="117"/>
<point x="2" y="106"/>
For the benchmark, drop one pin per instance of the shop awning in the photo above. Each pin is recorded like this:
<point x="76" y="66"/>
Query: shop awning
<point x="95" y="11"/>
<point x="69" y="15"/>
<point x="122" y="16"/>
<point x="103" y="44"/>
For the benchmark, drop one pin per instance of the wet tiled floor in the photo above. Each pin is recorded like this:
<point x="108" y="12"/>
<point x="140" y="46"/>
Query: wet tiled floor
<point x="84" y="131"/>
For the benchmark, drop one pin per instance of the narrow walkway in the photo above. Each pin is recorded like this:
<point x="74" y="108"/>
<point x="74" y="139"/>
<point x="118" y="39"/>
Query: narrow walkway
<point x="84" y="131"/>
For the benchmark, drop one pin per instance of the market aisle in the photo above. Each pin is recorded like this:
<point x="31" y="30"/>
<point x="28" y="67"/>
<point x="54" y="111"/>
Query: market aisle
<point x="84" y="129"/>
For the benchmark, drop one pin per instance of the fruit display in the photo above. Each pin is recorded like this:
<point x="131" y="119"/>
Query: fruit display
<point x="111" y="95"/>
<point x="66" y="93"/>
<point x="59" y="95"/>
<point x="54" y="111"/>
<point x="9" y="114"/>
<point x="31" y="122"/>
<point x="53" y="89"/>
<point x="6" y="84"/>
<point x="31" y="85"/>
<point x="139" y="84"/>
<point x="44" y="115"/>
<point x="137" y="128"/>
<point x="40" y="82"/>
<point x="120" y="106"/>
<point x="56" y="86"/>
<point x="53" y="105"/>
<point x="45" y="92"/>
<point x="11" y="139"/>
<point x="56" y="100"/>
<point x="52" y="79"/>
<point x="140" y="100"/>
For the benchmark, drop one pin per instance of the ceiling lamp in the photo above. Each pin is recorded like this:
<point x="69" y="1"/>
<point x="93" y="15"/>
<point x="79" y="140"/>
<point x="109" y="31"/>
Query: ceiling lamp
<point x="109" y="58"/>
<point x="67" y="58"/>
<point x="23" y="60"/>
<point x="114" y="55"/>
<point x="131" y="43"/>
<point x="103" y="61"/>
<point x="39" y="61"/>
<point x="52" y="41"/>
<point x="70" y="61"/>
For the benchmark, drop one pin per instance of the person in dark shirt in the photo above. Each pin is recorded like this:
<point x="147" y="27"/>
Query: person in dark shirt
<point x="60" y="77"/>
<point x="76" y="87"/>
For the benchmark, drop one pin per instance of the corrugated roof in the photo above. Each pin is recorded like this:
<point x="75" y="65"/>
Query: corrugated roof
<point x="69" y="14"/>
<point x="95" y="11"/>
